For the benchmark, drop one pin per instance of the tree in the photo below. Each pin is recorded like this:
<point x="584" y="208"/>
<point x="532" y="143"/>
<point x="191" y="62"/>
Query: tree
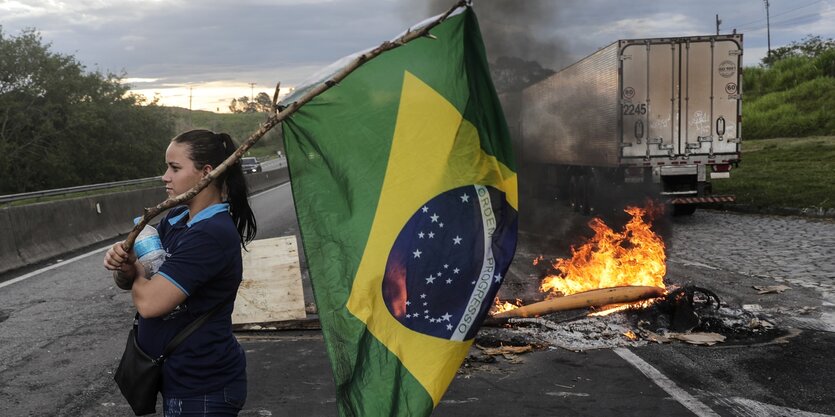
<point x="233" y="106"/>
<point x="61" y="126"/>
<point x="241" y="105"/>
<point x="810" y="47"/>
<point x="262" y="103"/>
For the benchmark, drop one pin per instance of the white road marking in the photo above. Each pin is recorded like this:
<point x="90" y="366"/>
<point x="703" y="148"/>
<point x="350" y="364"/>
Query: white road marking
<point x="51" y="267"/>
<point x="95" y="251"/>
<point x="691" y="403"/>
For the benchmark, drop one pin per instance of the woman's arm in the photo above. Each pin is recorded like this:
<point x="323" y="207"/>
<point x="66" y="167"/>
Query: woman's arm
<point x="156" y="296"/>
<point x="152" y="297"/>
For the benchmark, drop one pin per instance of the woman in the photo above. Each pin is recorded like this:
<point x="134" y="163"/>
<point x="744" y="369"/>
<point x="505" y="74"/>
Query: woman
<point x="206" y="374"/>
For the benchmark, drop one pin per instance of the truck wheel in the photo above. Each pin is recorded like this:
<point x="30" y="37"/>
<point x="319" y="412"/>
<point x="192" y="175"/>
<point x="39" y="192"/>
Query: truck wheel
<point x="684" y="209"/>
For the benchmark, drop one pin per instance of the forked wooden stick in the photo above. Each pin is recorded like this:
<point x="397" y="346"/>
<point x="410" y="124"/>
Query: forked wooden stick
<point x="276" y="118"/>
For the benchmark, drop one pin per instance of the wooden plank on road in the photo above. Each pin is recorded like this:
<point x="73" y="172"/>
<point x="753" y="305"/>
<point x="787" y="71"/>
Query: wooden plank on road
<point x="271" y="289"/>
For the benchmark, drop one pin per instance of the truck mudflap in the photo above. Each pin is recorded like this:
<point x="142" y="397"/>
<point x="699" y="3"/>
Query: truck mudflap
<point x="702" y="200"/>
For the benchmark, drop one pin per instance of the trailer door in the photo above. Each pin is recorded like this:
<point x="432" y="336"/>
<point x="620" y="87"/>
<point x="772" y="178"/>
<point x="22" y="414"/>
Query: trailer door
<point x="711" y="84"/>
<point x="679" y="97"/>
<point x="649" y="102"/>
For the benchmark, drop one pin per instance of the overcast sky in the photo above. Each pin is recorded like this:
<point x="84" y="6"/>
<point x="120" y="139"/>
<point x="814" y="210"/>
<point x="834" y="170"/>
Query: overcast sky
<point x="219" y="47"/>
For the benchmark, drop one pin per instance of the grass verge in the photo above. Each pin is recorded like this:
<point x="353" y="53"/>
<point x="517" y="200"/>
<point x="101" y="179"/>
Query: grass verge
<point x="784" y="173"/>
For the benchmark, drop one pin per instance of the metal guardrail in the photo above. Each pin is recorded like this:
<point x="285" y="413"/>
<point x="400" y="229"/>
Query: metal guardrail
<point x="267" y="164"/>
<point x="69" y="190"/>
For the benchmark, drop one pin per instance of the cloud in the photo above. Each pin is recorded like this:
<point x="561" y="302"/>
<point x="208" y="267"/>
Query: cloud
<point x="264" y="41"/>
<point x="653" y="26"/>
<point x="161" y="39"/>
<point x="139" y="80"/>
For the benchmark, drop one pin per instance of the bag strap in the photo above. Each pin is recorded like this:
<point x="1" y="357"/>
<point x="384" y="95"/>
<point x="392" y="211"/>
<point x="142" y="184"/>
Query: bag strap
<point x="188" y="330"/>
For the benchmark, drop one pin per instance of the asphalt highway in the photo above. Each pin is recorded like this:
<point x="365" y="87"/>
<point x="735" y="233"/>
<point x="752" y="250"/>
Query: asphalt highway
<point x="63" y="327"/>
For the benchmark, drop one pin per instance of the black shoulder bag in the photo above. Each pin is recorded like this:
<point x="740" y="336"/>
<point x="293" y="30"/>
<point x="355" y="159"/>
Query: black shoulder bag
<point x="139" y="376"/>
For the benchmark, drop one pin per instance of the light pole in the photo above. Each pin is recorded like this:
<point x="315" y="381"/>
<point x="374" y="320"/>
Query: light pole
<point x="768" y="27"/>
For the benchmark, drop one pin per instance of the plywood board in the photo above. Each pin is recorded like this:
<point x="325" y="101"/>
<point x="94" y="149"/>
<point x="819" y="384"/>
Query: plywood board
<point x="272" y="286"/>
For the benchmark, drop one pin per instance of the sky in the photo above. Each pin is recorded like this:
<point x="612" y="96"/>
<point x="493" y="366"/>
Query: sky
<point x="200" y="54"/>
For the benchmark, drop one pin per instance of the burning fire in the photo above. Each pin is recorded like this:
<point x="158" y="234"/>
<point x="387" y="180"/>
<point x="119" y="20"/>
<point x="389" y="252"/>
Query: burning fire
<point x="633" y="257"/>
<point x="499" y="306"/>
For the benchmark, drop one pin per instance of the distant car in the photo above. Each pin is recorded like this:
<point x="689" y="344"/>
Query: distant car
<point x="250" y="165"/>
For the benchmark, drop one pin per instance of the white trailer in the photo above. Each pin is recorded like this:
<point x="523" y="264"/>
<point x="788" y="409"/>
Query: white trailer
<point x="663" y="111"/>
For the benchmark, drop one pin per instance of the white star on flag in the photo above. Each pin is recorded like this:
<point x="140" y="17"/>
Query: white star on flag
<point x="417" y="253"/>
<point x="465" y="198"/>
<point x="457" y="240"/>
<point x="434" y="217"/>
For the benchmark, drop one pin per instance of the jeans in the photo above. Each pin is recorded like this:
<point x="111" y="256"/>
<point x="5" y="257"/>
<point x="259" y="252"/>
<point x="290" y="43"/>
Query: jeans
<point x="225" y="402"/>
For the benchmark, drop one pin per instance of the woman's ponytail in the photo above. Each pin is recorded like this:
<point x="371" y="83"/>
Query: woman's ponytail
<point x="238" y="195"/>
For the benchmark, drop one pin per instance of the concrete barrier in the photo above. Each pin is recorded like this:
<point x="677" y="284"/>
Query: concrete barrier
<point x="37" y="232"/>
<point x="9" y="257"/>
<point x="263" y="180"/>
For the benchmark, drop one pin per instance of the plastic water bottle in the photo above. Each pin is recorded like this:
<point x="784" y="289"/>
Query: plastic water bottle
<point x="149" y="249"/>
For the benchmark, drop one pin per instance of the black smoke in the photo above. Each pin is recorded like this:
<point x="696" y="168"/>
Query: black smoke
<point x="516" y="30"/>
<point x="522" y="49"/>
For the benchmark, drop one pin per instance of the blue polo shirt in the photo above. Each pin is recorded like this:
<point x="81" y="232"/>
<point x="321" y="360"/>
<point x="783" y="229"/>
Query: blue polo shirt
<point x="203" y="260"/>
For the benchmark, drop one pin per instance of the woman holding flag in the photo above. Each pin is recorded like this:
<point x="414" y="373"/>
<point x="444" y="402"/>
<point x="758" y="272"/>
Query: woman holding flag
<point x="206" y="374"/>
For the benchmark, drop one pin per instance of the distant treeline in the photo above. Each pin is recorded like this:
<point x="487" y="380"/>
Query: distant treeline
<point x="793" y="93"/>
<point x="62" y="126"/>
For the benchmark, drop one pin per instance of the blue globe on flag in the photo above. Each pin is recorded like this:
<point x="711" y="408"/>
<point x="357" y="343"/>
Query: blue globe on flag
<point x="449" y="260"/>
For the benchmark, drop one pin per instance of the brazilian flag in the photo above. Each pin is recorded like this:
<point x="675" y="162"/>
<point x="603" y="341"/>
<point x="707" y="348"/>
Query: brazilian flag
<point x="405" y="189"/>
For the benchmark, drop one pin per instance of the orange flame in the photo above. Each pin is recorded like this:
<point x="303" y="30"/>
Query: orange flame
<point x="634" y="256"/>
<point x="499" y="306"/>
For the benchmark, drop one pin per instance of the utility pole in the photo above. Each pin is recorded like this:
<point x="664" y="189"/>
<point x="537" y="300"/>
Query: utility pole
<point x="251" y="91"/>
<point x="718" y="22"/>
<point x="768" y="26"/>
<point x="190" y="123"/>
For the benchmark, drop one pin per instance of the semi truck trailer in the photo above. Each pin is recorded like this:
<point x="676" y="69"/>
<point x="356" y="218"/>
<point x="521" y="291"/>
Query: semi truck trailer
<point x="660" y="114"/>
